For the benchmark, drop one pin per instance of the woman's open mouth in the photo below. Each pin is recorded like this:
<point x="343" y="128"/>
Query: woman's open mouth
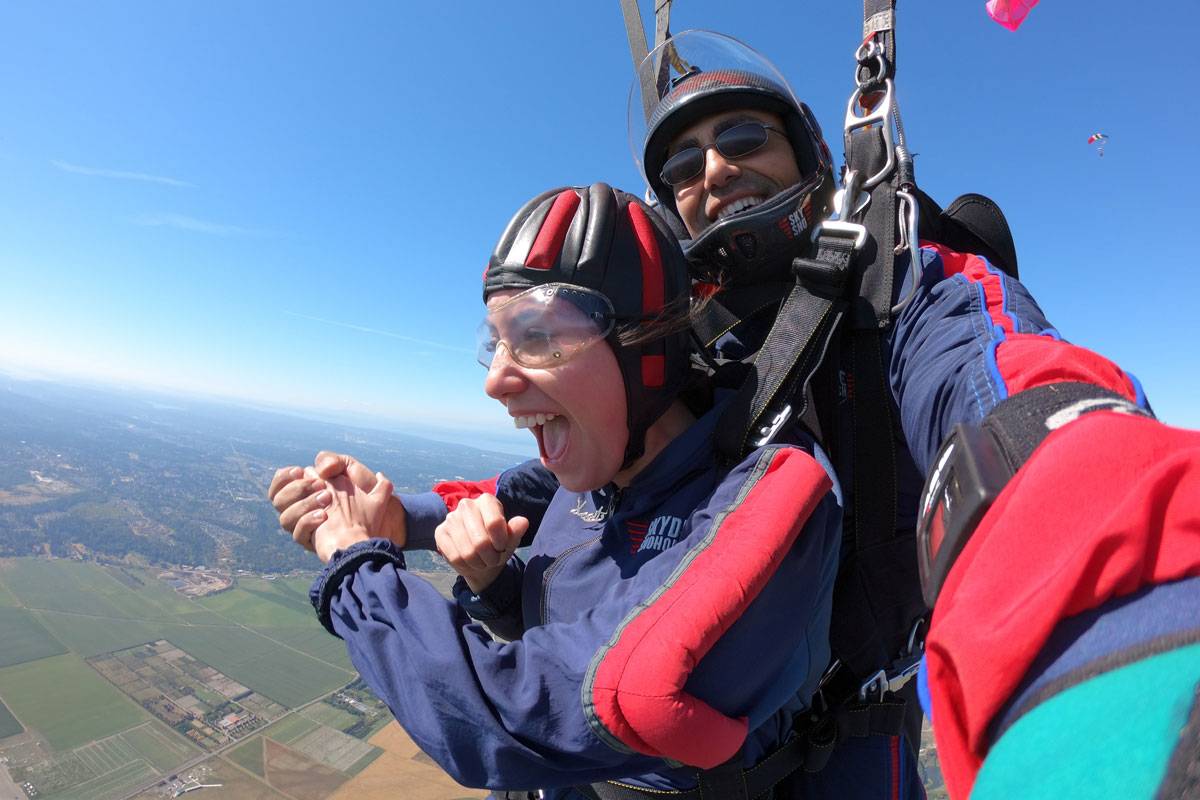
<point x="552" y="432"/>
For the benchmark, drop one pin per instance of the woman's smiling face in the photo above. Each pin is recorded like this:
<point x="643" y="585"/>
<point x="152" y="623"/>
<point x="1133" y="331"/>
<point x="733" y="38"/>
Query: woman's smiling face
<point x="576" y="410"/>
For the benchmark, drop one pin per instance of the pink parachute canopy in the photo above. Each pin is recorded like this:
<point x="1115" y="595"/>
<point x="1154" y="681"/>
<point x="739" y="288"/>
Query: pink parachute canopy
<point x="1010" y="13"/>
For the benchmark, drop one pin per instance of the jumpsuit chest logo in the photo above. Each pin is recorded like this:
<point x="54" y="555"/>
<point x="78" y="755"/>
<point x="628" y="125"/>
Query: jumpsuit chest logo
<point x="659" y="534"/>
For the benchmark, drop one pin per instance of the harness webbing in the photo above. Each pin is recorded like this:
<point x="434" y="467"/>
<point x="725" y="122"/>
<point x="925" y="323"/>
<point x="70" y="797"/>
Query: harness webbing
<point x="774" y="390"/>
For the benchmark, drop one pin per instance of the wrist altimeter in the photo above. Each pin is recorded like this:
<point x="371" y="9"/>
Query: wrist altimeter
<point x="976" y="462"/>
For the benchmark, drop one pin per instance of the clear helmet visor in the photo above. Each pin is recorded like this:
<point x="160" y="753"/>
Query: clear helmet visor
<point x="545" y="326"/>
<point x="688" y="64"/>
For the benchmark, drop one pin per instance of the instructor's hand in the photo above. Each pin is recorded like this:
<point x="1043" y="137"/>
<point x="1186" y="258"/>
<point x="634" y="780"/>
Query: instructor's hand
<point x="353" y="515"/>
<point x="300" y="496"/>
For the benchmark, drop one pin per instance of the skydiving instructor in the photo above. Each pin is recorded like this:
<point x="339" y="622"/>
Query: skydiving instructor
<point x="741" y="165"/>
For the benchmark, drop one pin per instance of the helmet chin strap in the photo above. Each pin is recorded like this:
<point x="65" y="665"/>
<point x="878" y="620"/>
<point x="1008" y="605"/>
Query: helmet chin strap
<point x="759" y="243"/>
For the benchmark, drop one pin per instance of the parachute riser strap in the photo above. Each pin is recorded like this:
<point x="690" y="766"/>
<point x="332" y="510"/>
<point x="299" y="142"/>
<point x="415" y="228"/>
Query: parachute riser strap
<point x="879" y="24"/>
<point x="653" y="81"/>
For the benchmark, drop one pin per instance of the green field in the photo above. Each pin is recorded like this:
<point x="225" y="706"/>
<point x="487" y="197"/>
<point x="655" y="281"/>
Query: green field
<point x="24" y="638"/>
<point x="93" y="591"/>
<point x="160" y="746"/>
<point x="7" y="598"/>
<point x="110" y="785"/>
<point x="66" y="701"/>
<point x="282" y="598"/>
<point x="63" y="585"/>
<point x="249" y="756"/>
<point x="314" y="640"/>
<point x="89" y="636"/>
<point x="261" y="634"/>
<point x="286" y="676"/>
<point x="295" y="587"/>
<point x="330" y="716"/>
<point x="259" y="608"/>
<point x="363" y="763"/>
<point x="8" y="723"/>
<point x="332" y="748"/>
<point x="290" y="728"/>
<point x="106" y="755"/>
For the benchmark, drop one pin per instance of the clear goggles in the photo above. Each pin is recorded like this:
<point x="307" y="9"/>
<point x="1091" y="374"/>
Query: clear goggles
<point x="545" y="326"/>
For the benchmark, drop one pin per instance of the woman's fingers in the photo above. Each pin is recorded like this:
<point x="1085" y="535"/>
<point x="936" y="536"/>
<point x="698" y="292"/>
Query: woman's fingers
<point x="306" y="527"/>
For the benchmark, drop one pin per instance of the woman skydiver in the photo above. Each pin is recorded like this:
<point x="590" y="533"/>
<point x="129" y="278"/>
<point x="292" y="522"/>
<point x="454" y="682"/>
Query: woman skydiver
<point x="673" y="613"/>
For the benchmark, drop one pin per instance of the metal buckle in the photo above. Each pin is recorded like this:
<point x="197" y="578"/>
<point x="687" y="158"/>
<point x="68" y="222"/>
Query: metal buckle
<point x="882" y="683"/>
<point x="845" y="210"/>
<point x="902" y="669"/>
<point x="882" y="115"/>
<point x="771" y="428"/>
<point x="866" y="51"/>
<point x="839" y="228"/>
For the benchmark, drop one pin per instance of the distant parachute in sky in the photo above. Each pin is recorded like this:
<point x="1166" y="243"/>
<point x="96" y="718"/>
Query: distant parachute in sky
<point x="1010" y="13"/>
<point x="1099" y="140"/>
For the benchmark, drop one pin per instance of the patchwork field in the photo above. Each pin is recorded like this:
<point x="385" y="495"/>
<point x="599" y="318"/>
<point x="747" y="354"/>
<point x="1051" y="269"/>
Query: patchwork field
<point x="287" y="676"/>
<point x="87" y="648"/>
<point x="109" y="767"/>
<point x="402" y="764"/>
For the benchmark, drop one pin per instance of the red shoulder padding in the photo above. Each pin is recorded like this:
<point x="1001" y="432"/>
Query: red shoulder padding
<point x="1028" y="360"/>
<point x="638" y="685"/>
<point x="975" y="269"/>
<point x="454" y="491"/>
<point x="1105" y="506"/>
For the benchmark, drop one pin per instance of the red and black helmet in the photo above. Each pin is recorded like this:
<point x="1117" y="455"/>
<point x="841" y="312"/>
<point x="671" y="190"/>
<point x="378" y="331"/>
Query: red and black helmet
<point x="608" y="241"/>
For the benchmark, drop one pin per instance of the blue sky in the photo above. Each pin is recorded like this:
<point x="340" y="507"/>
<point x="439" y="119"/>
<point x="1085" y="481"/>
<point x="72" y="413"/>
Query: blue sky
<point x="292" y="202"/>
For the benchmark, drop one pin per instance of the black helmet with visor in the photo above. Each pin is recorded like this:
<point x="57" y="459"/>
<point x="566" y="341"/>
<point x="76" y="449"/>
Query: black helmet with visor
<point x="696" y="74"/>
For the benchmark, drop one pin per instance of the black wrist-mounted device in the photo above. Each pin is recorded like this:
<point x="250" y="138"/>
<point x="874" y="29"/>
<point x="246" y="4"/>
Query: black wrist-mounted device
<point x="975" y="463"/>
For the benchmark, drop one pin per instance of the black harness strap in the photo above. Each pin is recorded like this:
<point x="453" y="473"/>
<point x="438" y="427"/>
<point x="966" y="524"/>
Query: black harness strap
<point x="725" y="311"/>
<point x="816" y="737"/>
<point x="793" y="350"/>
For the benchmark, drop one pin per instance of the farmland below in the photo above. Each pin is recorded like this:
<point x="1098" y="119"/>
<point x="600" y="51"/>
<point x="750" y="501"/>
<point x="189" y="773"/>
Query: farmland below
<point x="115" y="681"/>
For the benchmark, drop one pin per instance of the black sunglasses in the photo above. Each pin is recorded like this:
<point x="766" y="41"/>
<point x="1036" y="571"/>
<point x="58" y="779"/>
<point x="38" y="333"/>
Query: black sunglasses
<point x="737" y="142"/>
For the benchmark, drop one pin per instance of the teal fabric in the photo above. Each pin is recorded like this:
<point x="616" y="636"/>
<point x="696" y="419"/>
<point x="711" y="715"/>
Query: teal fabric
<point x="1111" y="736"/>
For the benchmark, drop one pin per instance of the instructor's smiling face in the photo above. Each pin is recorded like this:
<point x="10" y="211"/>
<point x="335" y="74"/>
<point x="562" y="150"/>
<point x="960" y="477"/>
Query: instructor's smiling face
<point x="728" y="185"/>
<point x="575" y="410"/>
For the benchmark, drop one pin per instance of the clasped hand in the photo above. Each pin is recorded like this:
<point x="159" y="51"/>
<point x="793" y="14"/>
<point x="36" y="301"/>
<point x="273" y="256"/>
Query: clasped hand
<point x="338" y="501"/>
<point x="334" y="503"/>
